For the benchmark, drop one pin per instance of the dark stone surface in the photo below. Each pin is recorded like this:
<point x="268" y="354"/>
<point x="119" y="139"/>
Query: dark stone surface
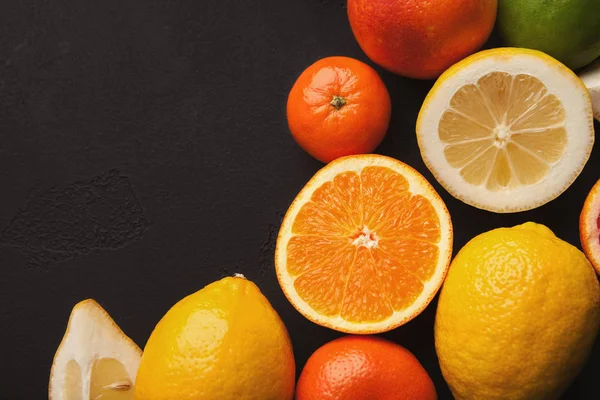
<point x="144" y="153"/>
<point x="66" y="222"/>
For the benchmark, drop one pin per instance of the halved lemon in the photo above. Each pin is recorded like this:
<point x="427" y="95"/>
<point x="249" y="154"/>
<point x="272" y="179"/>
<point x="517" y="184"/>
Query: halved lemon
<point x="589" y="227"/>
<point x="506" y="130"/>
<point x="95" y="360"/>
<point x="365" y="245"/>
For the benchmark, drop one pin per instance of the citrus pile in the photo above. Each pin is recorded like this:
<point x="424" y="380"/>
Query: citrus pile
<point x="367" y="243"/>
<point x="222" y="342"/>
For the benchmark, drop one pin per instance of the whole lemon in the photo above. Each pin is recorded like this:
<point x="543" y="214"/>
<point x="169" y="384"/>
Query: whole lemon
<point x="223" y="342"/>
<point x="517" y="316"/>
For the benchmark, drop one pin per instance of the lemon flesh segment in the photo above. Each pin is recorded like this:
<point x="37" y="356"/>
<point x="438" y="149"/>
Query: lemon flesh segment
<point x="506" y="130"/>
<point x="72" y="385"/>
<point x="110" y="381"/>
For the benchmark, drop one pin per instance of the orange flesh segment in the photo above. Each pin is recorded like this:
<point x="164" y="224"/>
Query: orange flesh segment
<point x="363" y="246"/>
<point x="365" y="297"/>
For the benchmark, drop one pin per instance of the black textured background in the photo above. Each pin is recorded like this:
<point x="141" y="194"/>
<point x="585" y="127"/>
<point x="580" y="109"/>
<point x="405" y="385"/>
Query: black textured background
<point x="144" y="153"/>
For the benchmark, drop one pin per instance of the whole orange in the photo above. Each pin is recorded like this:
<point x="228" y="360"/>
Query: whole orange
<point x="364" y="368"/>
<point x="338" y="107"/>
<point x="417" y="38"/>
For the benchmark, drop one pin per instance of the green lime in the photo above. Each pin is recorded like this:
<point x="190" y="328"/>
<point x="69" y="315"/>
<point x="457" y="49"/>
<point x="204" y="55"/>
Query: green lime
<point x="568" y="30"/>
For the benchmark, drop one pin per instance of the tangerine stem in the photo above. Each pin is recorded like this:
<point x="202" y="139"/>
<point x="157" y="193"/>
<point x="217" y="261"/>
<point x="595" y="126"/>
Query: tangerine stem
<point x="338" y="102"/>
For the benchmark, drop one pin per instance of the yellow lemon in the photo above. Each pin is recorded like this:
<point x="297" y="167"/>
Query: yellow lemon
<point x="95" y="359"/>
<point x="517" y="315"/>
<point x="507" y="130"/>
<point x="222" y="342"/>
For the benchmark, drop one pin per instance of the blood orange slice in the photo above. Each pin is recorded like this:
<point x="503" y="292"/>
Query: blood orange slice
<point x="365" y="246"/>
<point x="589" y="227"/>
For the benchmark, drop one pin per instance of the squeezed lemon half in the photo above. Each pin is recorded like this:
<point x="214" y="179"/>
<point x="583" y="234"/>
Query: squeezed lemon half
<point x="96" y="360"/>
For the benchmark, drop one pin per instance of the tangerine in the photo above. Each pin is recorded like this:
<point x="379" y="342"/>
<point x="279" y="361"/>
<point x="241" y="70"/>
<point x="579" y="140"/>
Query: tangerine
<point x="364" y="368"/>
<point x="339" y="106"/>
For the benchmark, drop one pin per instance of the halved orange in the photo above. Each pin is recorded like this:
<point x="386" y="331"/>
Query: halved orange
<point x="589" y="227"/>
<point x="365" y="246"/>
